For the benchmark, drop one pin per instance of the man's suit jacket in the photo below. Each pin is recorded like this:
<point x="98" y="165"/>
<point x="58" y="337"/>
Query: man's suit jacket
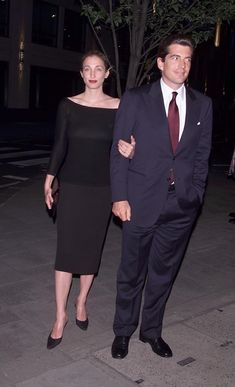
<point x="144" y="180"/>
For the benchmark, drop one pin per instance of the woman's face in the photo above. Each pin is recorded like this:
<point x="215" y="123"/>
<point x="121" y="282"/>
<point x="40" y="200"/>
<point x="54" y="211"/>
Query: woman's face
<point x="93" y="72"/>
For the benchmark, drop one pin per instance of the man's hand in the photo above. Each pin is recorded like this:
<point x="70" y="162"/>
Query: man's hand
<point x="122" y="209"/>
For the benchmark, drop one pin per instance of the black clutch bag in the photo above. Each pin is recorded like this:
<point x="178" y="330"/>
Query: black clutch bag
<point x="55" y="195"/>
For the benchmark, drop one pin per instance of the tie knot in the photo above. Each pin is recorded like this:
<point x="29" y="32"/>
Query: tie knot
<point x="174" y="95"/>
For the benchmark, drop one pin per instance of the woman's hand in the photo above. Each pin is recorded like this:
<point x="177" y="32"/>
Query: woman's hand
<point x="127" y="149"/>
<point x="48" y="191"/>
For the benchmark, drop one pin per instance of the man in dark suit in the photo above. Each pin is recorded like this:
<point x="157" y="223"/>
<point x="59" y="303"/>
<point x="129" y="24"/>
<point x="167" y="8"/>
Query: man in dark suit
<point x="158" y="193"/>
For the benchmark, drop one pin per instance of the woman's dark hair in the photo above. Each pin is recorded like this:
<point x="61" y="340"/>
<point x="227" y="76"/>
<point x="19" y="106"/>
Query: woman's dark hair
<point x="181" y="39"/>
<point x="96" y="53"/>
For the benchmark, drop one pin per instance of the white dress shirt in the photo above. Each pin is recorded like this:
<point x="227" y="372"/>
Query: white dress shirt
<point x="180" y="101"/>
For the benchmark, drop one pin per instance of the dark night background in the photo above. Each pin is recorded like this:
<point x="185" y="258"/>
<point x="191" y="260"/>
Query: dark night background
<point x="54" y="36"/>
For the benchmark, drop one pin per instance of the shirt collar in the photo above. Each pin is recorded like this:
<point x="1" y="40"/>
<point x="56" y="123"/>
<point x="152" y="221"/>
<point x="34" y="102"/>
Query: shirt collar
<point x="168" y="90"/>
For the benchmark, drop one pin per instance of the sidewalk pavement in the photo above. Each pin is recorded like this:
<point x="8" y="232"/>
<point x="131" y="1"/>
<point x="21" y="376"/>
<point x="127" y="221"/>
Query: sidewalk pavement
<point x="199" y="320"/>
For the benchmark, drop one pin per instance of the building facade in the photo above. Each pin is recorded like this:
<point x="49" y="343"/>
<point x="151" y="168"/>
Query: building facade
<point x="41" y="43"/>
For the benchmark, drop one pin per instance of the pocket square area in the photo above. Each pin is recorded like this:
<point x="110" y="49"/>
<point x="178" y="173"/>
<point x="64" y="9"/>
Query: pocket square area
<point x="198" y="123"/>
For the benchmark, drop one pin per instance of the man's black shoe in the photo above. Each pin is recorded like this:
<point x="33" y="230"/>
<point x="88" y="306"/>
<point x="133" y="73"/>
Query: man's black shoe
<point x="120" y="347"/>
<point x="158" y="346"/>
<point x="232" y="214"/>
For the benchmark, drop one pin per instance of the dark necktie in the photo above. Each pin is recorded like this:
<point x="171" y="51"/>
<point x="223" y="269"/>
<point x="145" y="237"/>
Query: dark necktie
<point x="174" y="120"/>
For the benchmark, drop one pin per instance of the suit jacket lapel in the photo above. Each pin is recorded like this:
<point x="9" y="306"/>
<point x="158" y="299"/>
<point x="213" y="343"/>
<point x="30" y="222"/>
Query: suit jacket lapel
<point x="157" y="113"/>
<point x="190" y="119"/>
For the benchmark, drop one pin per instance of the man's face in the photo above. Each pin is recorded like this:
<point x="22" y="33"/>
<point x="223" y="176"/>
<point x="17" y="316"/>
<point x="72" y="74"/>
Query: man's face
<point x="176" y="66"/>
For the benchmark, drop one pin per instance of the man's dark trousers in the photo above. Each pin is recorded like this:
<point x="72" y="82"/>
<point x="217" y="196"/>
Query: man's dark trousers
<point x="157" y="252"/>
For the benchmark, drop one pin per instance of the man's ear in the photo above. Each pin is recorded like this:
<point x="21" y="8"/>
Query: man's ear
<point x="81" y="74"/>
<point x="160" y="63"/>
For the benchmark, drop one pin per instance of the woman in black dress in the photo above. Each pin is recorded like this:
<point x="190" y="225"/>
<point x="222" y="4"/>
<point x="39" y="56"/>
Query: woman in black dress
<point x="80" y="157"/>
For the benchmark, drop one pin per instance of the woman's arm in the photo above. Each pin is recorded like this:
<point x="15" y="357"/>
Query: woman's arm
<point x="60" y="139"/>
<point x="48" y="190"/>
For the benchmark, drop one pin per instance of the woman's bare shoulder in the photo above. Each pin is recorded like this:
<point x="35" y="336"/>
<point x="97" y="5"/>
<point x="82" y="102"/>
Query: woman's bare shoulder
<point x="77" y="98"/>
<point x="112" y="103"/>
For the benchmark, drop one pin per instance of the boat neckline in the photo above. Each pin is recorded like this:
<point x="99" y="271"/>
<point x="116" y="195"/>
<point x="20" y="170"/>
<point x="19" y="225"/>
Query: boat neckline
<point x="91" y="107"/>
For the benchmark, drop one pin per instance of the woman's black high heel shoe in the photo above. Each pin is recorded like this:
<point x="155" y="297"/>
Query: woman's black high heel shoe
<point x="82" y="324"/>
<point x="52" y="343"/>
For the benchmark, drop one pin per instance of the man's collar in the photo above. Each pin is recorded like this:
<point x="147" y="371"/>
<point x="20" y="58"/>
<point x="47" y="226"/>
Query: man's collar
<point x="169" y="90"/>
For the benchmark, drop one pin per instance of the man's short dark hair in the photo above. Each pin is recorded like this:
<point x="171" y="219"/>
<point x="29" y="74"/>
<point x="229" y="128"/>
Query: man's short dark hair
<point x="183" y="40"/>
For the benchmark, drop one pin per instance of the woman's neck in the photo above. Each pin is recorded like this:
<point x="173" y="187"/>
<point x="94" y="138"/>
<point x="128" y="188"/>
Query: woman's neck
<point x="93" y="95"/>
